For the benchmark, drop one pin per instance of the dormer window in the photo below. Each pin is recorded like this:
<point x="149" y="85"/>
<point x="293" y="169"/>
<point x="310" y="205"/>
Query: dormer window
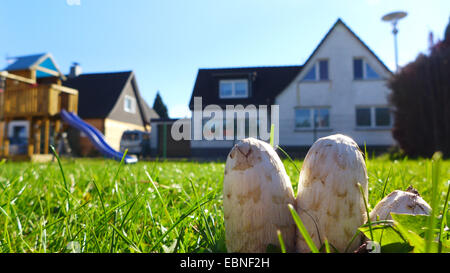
<point x="230" y="89"/>
<point x="319" y="72"/>
<point x="362" y="70"/>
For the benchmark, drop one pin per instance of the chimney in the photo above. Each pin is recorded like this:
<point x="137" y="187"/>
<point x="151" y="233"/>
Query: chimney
<point x="75" y="70"/>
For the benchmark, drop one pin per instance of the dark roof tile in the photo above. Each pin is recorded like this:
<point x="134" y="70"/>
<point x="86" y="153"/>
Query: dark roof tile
<point x="98" y="93"/>
<point x="265" y="84"/>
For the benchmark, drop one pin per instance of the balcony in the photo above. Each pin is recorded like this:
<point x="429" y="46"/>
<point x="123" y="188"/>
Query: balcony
<point x="43" y="100"/>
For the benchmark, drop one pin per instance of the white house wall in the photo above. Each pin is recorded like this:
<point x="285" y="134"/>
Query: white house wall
<point x="341" y="93"/>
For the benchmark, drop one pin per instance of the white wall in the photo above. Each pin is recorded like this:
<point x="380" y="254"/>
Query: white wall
<point x="341" y="93"/>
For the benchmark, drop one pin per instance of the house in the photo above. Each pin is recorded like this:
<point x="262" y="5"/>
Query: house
<point x="112" y="103"/>
<point x="341" y="88"/>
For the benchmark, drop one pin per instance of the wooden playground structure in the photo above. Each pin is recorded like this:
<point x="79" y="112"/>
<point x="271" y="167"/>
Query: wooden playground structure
<point x="33" y="92"/>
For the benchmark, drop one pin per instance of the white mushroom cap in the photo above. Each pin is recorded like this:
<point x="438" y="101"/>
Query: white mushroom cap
<point x="329" y="200"/>
<point x="256" y="194"/>
<point x="400" y="202"/>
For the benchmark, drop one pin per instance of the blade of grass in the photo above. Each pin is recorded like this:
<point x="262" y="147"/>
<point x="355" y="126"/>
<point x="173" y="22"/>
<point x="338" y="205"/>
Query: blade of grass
<point x="131" y="206"/>
<point x="120" y="165"/>
<point x="210" y="235"/>
<point x="179" y="239"/>
<point x="186" y="214"/>
<point x="444" y="218"/>
<point x="63" y="176"/>
<point x="289" y="158"/>
<point x="128" y="212"/>
<point x="166" y="211"/>
<point x="113" y="235"/>
<point x="435" y="167"/>
<point x="280" y="238"/>
<point x="125" y="238"/>
<point x="159" y="197"/>
<point x="386" y="182"/>
<point x="327" y="246"/>
<point x="100" y="197"/>
<point x="97" y="245"/>
<point x="303" y="230"/>
<point x="367" y="211"/>
<point x="272" y="135"/>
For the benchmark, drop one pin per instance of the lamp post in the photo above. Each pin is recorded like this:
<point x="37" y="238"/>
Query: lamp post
<point x="393" y="18"/>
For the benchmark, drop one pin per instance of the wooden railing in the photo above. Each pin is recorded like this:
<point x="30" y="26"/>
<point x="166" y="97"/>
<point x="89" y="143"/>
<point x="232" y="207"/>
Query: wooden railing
<point x="41" y="100"/>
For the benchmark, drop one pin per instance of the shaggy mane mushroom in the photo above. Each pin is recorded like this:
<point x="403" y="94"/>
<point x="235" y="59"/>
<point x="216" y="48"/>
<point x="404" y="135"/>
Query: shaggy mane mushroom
<point x="256" y="194"/>
<point x="329" y="200"/>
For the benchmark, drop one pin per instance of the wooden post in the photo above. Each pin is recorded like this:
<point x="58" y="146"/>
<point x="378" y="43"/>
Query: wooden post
<point x="56" y="134"/>
<point x="2" y="133"/>
<point x="57" y="126"/>
<point x="6" y="139"/>
<point x="31" y="135"/>
<point x="37" y="144"/>
<point x="46" y="134"/>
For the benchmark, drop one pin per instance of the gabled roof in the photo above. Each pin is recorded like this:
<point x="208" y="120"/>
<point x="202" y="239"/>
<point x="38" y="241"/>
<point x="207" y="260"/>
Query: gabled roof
<point x="98" y="93"/>
<point x="42" y="62"/>
<point x="265" y="84"/>
<point x="340" y="22"/>
<point x="23" y="62"/>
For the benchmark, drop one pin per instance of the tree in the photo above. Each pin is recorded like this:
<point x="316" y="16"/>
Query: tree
<point x="159" y="106"/>
<point x="421" y="100"/>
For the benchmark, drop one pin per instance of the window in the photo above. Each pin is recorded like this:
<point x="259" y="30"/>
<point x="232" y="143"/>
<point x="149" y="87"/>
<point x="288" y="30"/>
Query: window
<point x="319" y="71"/>
<point x="303" y="118"/>
<point x="358" y="69"/>
<point x="129" y="104"/>
<point x="363" y="117"/>
<point x="226" y="89"/>
<point x="370" y="73"/>
<point x="373" y="117"/>
<point x="362" y="70"/>
<point x="309" y="118"/>
<point x="233" y="89"/>
<point x="321" y="118"/>
<point x="382" y="117"/>
<point x="311" y="76"/>
<point x="130" y="136"/>
<point x="323" y="70"/>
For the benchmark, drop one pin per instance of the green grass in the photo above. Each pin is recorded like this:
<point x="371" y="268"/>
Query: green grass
<point x="100" y="206"/>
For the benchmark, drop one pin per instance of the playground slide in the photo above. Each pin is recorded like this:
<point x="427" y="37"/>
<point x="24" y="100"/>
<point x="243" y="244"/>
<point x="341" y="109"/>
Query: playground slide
<point x="96" y="137"/>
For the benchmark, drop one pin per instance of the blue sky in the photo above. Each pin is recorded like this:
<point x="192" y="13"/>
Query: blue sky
<point x="166" y="41"/>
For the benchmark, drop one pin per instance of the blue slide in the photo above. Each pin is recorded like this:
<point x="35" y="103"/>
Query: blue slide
<point x="95" y="136"/>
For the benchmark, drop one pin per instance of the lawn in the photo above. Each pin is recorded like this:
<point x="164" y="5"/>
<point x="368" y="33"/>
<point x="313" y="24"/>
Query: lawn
<point x="172" y="206"/>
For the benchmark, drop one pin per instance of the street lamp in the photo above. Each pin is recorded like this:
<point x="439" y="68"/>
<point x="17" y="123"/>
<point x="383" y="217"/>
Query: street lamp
<point x="393" y="18"/>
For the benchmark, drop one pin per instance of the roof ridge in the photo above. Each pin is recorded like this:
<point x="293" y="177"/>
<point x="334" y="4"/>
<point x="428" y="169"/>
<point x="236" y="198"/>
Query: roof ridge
<point x="340" y="21"/>
<point x="250" y="67"/>
<point x="28" y="55"/>
<point x="107" y="73"/>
